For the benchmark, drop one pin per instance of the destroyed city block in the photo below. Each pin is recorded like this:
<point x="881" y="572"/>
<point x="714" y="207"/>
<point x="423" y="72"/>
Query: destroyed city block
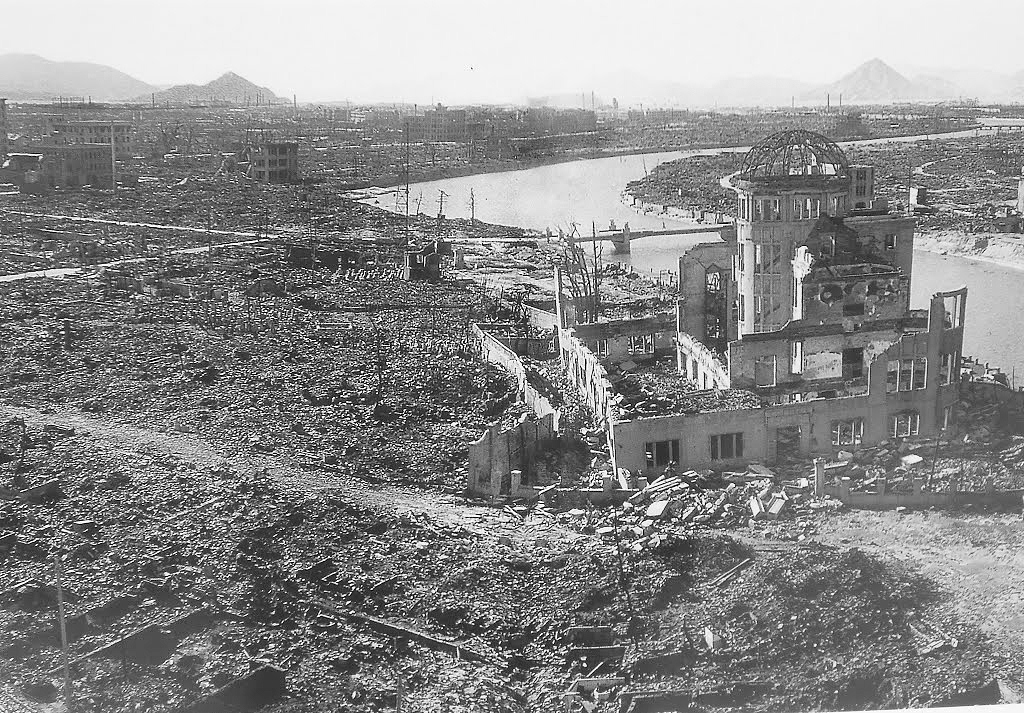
<point x="276" y="435"/>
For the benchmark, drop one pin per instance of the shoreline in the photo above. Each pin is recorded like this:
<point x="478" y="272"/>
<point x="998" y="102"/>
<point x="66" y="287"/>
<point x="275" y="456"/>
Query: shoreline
<point x="463" y="171"/>
<point x="950" y="244"/>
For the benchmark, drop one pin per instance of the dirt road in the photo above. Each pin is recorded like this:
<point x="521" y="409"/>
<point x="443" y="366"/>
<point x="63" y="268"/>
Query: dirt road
<point x="977" y="557"/>
<point x="448" y="509"/>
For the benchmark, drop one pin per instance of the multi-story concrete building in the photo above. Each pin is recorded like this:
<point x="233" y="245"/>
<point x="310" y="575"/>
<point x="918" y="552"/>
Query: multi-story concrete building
<point x="275" y="161"/>
<point x="74" y="165"/>
<point x="795" y="337"/>
<point x="96" y="131"/>
<point x="439" y="124"/>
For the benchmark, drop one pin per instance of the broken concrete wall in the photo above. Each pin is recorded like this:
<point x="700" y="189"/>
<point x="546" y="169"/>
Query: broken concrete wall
<point x="882" y="499"/>
<point x="623" y="339"/>
<point x="540" y="319"/>
<point x="505" y="462"/>
<point x="695" y="300"/>
<point x="585" y="373"/>
<point x="873" y="231"/>
<point x="699" y="364"/>
<point x="493" y="351"/>
<point x="821" y="366"/>
<point x="853" y="299"/>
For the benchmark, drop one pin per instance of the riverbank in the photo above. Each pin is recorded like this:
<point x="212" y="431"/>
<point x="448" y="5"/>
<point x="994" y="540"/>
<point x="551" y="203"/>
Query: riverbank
<point x="1002" y="249"/>
<point x="489" y="167"/>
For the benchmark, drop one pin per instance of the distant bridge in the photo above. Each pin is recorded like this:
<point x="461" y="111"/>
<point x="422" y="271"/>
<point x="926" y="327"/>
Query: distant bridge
<point x="620" y="239"/>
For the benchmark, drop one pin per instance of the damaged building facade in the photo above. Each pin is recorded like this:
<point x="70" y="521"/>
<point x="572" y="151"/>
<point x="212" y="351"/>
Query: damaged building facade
<point x="794" y="335"/>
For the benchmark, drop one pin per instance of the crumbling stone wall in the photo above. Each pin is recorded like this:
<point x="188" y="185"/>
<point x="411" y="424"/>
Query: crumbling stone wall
<point x="700" y="364"/>
<point x="493" y="351"/>
<point x="503" y="462"/>
<point x="585" y="373"/>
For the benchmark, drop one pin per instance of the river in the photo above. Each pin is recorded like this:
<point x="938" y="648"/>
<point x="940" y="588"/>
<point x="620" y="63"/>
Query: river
<point x="589" y="191"/>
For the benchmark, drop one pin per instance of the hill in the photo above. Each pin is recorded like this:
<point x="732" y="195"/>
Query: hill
<point x="873" y="81"/>
<point x="29" y="77"/>
<point x="229" y="87"/>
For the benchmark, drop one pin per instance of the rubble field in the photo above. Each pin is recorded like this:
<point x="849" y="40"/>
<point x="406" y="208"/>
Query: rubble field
<point x="263" y="485"/>
<point x="244" y="568"/>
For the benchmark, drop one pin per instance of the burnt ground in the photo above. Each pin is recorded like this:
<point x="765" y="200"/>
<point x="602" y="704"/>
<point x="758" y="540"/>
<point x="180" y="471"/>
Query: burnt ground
<point x="254" y="478"/>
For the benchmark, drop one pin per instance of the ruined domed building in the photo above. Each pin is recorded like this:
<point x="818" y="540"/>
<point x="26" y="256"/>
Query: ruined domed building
<point x="794" y="335"/>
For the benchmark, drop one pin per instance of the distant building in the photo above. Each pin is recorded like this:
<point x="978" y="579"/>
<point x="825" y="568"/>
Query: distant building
<point x="74" y="165"/>
<point x="3" y="130"/>
<point x="440" y="124"/>
<point x="555" y="121"/>
<point x="95" y="131"/>
<point x="1020" y="193"/>
<point x="275" y="161"/>
<point x="25" y="170"/>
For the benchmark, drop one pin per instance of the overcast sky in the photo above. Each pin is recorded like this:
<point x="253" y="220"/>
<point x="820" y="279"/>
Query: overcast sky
<point x="461" y="51"/>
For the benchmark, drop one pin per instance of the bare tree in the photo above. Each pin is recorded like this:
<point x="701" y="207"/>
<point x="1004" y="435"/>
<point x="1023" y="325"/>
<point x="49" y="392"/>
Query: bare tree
<point x="584" y="278"/>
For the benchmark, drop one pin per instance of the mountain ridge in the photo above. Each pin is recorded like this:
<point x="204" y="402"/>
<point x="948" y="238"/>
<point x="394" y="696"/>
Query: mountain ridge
<point x="229" y="87"/>
<point x="29" y="77"/>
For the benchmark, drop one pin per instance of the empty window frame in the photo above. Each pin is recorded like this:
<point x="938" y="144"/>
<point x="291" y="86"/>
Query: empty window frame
<point x="660" y="453"/>
<point x="768" y="258"/>
<point x="848" y="432"/>
<point x="854" y="309"/>
<point x="948" y="369"/>
<point x="904" y="425"/>
<point x="726" y="446"/>
<point x="602" y="347"/>
<point x="641" y="344"/>
<point x="796" y="356"/>
<point x="906" y="374"/>
<point x="890" y="241"/>
<point x="853" y="363"/>
<point x="953" y="305"/>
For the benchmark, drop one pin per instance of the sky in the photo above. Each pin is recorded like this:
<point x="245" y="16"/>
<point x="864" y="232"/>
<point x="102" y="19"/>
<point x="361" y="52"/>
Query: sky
<point x="465" y="51"/>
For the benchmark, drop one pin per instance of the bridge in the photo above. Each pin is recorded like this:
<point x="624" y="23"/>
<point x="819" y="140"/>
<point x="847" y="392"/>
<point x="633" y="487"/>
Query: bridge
<point x="620" y="239"/>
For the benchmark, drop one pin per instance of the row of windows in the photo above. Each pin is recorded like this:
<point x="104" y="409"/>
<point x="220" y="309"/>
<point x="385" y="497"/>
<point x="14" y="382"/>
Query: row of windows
<point x="770" y="209"/>
<point x="723" y="446"/>
<point x="636" y="344"/>
<point x="845" y="432"/>
<point x="850" y="432"/>
<point x="906" y="374"/>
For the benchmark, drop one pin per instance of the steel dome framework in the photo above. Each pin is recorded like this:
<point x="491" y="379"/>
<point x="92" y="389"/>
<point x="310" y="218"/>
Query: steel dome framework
<point x="794" y="152"/>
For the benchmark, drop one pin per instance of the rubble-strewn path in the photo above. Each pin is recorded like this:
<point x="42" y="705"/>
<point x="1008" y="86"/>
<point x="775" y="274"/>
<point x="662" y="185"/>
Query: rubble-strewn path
<point x="446" y="509"/>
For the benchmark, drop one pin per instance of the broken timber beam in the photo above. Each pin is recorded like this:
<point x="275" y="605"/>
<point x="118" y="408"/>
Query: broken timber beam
<point x="402" y="631"/>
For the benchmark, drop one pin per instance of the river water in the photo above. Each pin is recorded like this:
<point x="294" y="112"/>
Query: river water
<point x="589" y="192"/>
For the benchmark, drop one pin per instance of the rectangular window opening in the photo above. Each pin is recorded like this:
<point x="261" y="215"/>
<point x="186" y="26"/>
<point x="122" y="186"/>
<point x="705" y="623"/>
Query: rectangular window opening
<point x="727" y="446"/>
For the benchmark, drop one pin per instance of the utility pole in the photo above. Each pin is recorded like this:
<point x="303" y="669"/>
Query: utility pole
<point x="440" y="204"/>
<point x="472" y="207"/>
<point x="63" y="636"/>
